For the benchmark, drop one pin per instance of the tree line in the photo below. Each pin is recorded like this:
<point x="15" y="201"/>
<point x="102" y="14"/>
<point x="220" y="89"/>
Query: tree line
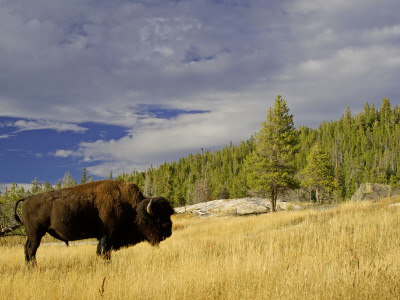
<point x="12" y="194"/>
<point x="357" y="148"/>
<point x="324" y="164"/>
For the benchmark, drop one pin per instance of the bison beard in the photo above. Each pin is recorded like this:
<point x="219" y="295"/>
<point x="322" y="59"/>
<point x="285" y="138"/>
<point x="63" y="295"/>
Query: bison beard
<point x="114" y="212"/>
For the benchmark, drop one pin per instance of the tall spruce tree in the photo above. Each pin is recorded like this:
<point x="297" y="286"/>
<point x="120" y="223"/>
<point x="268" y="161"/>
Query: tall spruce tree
<point x="271" y="166"/>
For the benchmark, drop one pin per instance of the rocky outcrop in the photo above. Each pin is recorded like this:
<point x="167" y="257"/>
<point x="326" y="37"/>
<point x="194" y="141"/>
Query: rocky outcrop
<point x="236" y="207"/>
<point x="374" y="192"/>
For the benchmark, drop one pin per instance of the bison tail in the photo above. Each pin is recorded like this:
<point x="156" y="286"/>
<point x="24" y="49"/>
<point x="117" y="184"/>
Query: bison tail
<point x="17" y="218"/>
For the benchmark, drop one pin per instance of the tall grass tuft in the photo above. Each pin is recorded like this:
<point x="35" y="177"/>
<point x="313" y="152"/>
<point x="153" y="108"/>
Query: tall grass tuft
<point x="347" y="252"/>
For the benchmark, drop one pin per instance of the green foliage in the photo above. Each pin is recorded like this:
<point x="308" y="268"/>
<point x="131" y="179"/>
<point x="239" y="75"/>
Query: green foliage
<point x="7" y="204"/>
<point x="47" y="187"/>
<point x="318" y="173"/>
<point x="271" y="166"/>
<point x="13" y="194"/>
<point x="198" y="177"/>
<point x="361" y="148"/>
<point x="85" y="178"/>
<point x="38" y="187"/>
<point x="68" y="181"/>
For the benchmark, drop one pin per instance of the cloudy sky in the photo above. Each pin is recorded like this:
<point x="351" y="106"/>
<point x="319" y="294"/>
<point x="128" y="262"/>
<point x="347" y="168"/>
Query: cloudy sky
<point x="118" y="85"/>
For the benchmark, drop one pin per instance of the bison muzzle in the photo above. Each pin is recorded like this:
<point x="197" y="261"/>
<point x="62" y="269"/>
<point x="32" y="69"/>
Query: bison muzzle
<point x="114" y="212"/>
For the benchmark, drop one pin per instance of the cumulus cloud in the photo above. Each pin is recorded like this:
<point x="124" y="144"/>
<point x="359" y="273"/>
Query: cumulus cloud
<point x="125" y="55"/>
<point x="70" y="62"/>
<point x="157" y="140"/>
<point x="65" y="153"/>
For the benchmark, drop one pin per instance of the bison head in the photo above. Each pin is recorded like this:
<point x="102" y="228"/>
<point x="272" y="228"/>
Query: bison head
<point x="155" y="219"/>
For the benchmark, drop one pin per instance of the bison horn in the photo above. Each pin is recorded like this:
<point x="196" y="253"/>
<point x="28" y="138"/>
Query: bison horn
<point x="149" y="210"/>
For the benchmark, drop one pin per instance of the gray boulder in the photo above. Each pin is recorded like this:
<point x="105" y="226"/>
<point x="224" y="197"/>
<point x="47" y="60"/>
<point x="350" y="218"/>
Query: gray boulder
<point x="233" y="207"/>
<point x="374" y="192"/>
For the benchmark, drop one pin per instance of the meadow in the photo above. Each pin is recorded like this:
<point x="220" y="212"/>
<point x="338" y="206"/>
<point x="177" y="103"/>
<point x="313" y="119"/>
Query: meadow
<point x="347" y="252"/>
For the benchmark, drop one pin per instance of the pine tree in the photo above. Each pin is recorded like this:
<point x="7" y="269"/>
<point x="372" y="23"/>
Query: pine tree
<point x="36" y="186"/>
<point x="385" y="110"/>
<point x="84" y="176"/>
<point x="47" y="187"/>
<point x="68" y="181"/>
<point x="318" y="173"/>
<point x="271" y="166"/>
<point x="58" y="185"/>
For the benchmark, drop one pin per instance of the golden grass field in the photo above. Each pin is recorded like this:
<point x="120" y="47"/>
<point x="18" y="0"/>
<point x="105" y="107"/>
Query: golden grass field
<point x="348" y="252"/>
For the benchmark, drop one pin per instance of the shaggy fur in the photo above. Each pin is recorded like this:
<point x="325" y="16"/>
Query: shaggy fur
<point x="114" y="212"/>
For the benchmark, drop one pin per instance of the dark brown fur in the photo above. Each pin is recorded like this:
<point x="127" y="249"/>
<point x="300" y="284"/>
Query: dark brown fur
<point x="114" y="212"/>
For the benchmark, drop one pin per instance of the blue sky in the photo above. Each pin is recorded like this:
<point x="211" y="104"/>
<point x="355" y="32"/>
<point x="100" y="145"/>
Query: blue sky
<point x="118" y="85"/>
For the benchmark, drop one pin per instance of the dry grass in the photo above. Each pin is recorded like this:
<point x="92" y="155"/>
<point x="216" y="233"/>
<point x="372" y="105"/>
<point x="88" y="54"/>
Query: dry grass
<point x="349" y="252"/>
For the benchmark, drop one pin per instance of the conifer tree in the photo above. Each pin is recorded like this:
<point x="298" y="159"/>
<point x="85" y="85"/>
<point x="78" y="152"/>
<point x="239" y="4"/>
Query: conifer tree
<point x="271" y="166"/>
<point x="36" y="186"/>
<point x="84" y="176"/>
<point x="47" y="187"/>
<point x="318" y="173"/>
<point x="68" y="180"/>
<point x="58" y="185"/>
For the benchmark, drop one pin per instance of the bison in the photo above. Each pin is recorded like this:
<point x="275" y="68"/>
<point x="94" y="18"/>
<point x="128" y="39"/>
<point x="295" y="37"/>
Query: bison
<point x="114" y="212"/>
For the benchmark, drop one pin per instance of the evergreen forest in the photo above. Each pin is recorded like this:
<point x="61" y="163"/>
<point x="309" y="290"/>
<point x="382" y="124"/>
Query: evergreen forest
<point x="362" y="147"/>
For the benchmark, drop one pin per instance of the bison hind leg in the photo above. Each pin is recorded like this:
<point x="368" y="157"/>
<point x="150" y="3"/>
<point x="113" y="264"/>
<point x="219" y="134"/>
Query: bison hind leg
<point x="27" y="246"/>
<point x="31" y="246"/>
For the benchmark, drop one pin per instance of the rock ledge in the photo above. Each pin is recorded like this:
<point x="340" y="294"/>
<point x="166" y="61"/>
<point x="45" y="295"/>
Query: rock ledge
<point x="236" y="207"/>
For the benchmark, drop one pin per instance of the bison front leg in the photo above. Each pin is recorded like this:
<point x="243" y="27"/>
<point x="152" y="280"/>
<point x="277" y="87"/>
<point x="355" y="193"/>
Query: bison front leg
<point x="104" y="249"/>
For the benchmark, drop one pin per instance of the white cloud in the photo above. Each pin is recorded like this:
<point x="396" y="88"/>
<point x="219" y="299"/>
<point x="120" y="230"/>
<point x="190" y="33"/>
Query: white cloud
<point x="169" y="139"/>
<point x="69" y="62"/>
<point x="381" y="35"/>
<point x="24" y="125"/>
<point x="5" y="136"/>
<point x="65" y="153"/>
